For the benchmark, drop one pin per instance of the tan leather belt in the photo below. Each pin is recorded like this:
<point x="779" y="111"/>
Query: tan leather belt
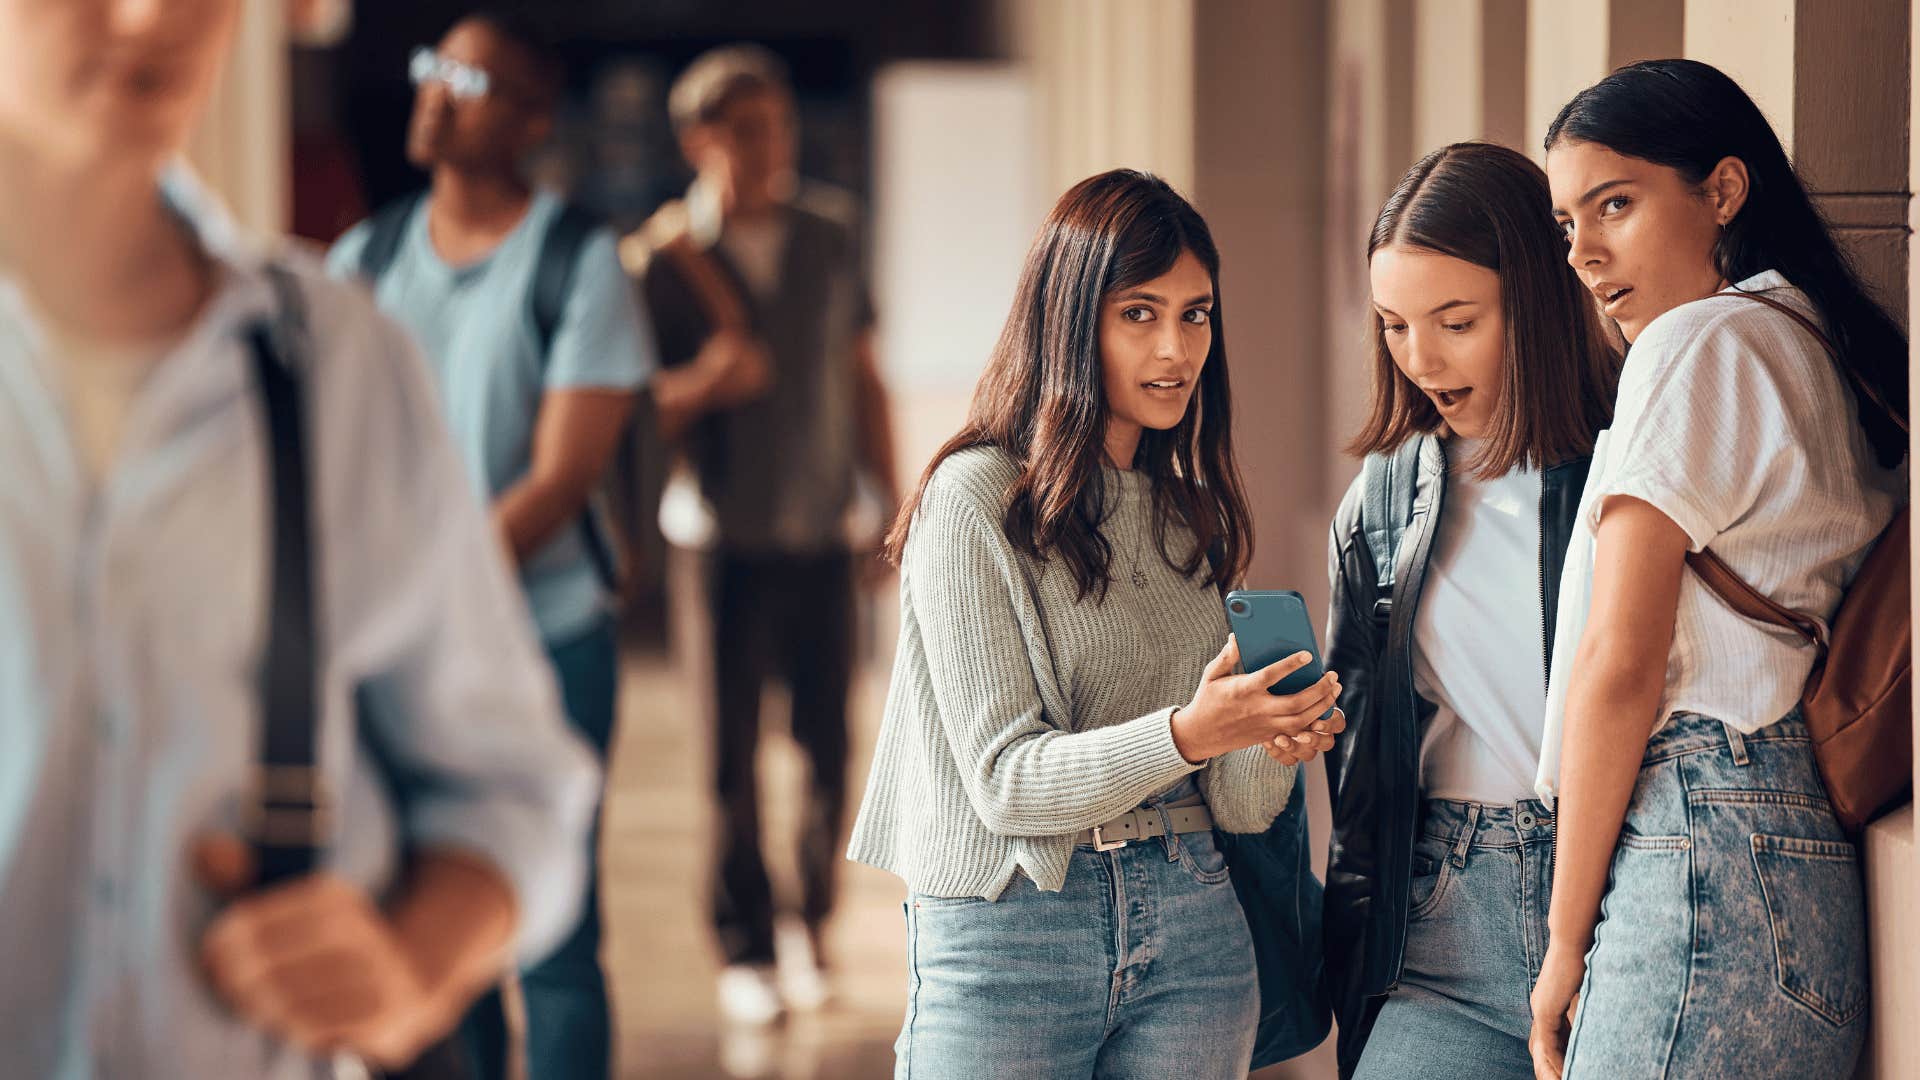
<point x="1143" y="824"/>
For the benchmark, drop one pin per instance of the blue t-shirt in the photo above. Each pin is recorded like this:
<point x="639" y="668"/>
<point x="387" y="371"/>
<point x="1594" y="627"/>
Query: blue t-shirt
<point x="475" y="324"/>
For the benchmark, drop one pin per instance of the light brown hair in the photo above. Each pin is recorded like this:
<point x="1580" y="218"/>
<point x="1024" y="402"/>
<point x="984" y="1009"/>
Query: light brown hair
<point x="1488" y="205"/>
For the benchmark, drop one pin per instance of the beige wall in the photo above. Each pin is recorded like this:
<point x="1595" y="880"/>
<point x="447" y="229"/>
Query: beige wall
<point x="1260" y="98"/>
<point x="1261" y="195"/>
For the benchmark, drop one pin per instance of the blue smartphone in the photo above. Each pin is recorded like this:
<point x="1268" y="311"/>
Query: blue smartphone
<point x="1273" y="625"/>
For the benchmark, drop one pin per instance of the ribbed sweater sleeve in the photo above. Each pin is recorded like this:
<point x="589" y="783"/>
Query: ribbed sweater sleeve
<point x="1023" y="773"/>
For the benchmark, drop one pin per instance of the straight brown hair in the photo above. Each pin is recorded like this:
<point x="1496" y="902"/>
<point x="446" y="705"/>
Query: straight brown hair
<point x="1043" y="402"/>
<point x="1490" y="206"/>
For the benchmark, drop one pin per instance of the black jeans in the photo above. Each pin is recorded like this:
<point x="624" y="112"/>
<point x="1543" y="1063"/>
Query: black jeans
<point x="790" y="618"/>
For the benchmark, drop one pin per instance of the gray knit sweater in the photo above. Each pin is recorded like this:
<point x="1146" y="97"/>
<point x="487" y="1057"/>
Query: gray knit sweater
<point x="1019" y="714"/>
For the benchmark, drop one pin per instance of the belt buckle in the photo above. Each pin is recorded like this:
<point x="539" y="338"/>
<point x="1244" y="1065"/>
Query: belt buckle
<point x="1101" y="843"/>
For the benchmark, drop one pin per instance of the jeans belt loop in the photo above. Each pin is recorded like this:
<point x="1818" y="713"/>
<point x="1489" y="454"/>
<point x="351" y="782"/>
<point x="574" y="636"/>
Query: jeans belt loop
<point x="1465" y="839"/>
<point x="1737" y="743"/>
<point x="1172" y="838"/>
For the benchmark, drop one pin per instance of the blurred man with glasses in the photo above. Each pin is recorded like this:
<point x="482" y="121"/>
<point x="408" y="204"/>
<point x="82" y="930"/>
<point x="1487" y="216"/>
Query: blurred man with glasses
<point x="539" y="349"/>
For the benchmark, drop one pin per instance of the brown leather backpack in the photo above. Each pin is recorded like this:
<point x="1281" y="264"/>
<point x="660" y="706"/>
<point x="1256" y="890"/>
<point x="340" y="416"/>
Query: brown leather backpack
<point x="1858" y="703"/>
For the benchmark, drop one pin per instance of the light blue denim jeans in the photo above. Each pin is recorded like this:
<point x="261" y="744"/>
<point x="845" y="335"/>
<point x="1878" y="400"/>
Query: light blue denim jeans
<point x="1732" y="940"/>
<point x="1141" y="967"/>
<point x="1476" y="932"/>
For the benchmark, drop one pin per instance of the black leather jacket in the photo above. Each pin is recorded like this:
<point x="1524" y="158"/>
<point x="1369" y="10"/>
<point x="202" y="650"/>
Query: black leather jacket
<point x="1373" y="769"/>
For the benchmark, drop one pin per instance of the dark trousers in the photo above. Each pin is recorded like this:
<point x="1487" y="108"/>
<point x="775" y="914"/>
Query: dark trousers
<point x="789" y="618"/>
<point x="569" y="1032"/>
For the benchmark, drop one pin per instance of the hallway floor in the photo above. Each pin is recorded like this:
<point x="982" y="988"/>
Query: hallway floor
<point x="659" y="951"/>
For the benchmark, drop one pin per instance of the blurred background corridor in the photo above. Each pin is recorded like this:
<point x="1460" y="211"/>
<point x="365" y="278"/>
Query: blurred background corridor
<point x="955" y="123"/>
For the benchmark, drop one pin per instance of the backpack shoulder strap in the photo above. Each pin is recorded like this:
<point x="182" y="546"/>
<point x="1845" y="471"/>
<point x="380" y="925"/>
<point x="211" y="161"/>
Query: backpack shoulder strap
<point x="1725" y="582"/>
<point x="553" y="276"/>
<point x="1826" y="343"/>
<point x="386" y="229"/>
<point x="289" y="815"/>
<point x="558" y="265"/>
<point x="1387" y="506"/>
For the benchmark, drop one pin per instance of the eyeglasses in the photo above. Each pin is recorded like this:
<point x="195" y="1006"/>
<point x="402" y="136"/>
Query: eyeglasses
<point x="464" y="82"/>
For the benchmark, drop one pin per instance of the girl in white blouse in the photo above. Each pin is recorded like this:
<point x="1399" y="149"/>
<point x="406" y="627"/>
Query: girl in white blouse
<point x="1733" y="936"/>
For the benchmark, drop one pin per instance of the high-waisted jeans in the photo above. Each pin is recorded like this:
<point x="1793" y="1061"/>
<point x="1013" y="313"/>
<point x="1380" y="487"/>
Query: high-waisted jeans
<point x="1141" y="967"/>
<point x="1476" y="934"/>
<point x="1732" y="939"/>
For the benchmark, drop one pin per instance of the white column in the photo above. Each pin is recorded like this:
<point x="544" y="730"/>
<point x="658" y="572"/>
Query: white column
<point x="243" y="144"/>
<point x="1448" y="69"/>
<point x="1567" y="51"/>
<point x="1751" y="40"/>
<point x="1115" y="85"/>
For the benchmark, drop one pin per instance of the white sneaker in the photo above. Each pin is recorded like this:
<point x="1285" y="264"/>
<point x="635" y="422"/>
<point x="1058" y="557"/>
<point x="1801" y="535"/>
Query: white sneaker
<point x="803" y="982"/>
<point x="749" y="995"/>
<point x="750" y="1052"/>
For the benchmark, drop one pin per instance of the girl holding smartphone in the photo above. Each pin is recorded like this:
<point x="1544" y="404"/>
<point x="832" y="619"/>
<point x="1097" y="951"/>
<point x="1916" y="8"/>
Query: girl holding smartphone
<point x="1048" y="774"/>
<point x="1733" y="936"/>
<point x="1491" y="376"/>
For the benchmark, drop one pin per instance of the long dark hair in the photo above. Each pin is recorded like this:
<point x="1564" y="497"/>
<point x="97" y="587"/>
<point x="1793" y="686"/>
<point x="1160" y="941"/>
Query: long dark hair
<point x="1488" y="205"/>
<point x="1042" y="400"/>
<point x="1688" y="116"/>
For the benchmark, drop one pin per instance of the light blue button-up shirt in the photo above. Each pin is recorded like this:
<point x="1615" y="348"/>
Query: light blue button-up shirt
<point x="475" y="325"/>
<point x="133" y="616"/>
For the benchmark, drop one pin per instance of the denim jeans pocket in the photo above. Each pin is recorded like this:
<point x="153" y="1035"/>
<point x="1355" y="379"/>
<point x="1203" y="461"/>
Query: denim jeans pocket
<point x="1432" y="872"/>
<point x="1816" y="911"/>
<point x="1634" y="841"/>
<point x="1200" y="854"/>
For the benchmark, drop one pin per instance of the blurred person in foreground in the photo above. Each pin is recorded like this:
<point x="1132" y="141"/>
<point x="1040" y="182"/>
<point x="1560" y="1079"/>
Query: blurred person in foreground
<point x="766" y="326"/>
<point x="531" y="332"/>
<point x="138" y="538"/>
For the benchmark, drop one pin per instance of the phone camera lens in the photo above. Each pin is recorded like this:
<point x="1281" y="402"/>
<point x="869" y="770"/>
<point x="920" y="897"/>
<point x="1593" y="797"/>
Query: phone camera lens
<point x="1238" y="607"/>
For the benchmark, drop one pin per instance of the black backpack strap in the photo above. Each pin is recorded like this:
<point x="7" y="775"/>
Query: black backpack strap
<point x="291" y="818"/>
<point x="1386" y="508"/>
<point x="385" y="231"/>
<point x="292" y="814"/>
<point x="553" y="277"/>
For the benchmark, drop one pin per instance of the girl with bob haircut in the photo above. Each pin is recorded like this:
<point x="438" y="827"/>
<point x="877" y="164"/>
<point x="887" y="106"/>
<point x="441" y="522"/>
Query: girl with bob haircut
<point x="1491" y="377"/>
<point x="1048" y="775"/>
<point x="1733" y="936"/>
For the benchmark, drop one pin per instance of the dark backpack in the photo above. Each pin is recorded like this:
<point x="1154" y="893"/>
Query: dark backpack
<point x="1386" y="508"/>
<point x="553" y="275"/>
<point x="1273" y="879"/>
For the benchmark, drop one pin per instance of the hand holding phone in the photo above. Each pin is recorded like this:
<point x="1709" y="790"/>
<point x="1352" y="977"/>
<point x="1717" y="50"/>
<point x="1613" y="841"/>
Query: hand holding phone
<point x="1271" y="624"/>
<point x="1230" y="711"/>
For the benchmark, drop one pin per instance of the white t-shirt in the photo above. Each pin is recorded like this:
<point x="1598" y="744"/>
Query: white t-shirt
<point x="1479" y="648"/>
<point x="1734" y="422"/>
<point x="756" y="248"/>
